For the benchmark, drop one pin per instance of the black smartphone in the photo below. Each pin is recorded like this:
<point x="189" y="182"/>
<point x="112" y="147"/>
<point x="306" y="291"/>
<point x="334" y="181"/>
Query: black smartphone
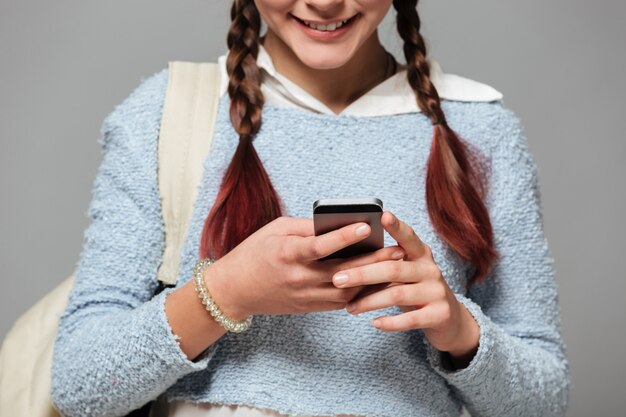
<point x="333" y="213"/>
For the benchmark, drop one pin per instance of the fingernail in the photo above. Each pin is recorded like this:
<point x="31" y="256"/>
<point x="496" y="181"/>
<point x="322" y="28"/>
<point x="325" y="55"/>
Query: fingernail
<point x="362" y="230"/>
<point x="393" y="218"/>
<point x="397" y="254"/>
<point x="340" y="278"/>
<point x="351" y="307"/>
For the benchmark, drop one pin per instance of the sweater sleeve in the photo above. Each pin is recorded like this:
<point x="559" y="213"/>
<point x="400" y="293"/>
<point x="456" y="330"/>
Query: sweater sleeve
<point x="520" y="368"/>
<point x="114" y="350"/>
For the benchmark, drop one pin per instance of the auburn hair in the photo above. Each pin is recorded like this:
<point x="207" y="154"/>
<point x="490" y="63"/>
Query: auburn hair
<point x="247" y="200"/>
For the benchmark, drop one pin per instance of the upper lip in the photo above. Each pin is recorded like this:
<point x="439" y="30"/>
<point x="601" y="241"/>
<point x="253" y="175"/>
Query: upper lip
<point x="327" y="22"/>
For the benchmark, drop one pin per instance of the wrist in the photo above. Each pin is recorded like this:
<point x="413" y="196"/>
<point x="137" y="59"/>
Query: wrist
<point x="468" y="339"/>
<point x="223" y="292"/>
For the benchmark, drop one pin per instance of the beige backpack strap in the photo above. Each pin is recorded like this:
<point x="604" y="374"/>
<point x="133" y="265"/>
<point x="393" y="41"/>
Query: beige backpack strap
<point x="185" y="138"/>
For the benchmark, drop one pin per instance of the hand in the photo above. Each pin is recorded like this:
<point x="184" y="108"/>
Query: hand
<point x="276" y="269"/>
<point x="417" y="286"/>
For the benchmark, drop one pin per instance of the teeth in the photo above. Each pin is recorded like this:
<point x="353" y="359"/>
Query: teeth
<point x="329" y="27"/>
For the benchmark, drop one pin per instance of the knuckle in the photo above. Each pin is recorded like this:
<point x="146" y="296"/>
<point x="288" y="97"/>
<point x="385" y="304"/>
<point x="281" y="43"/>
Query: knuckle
<point x="284" y="250"/>
<point x="317" y="249"/>
<point x="427" y="318"/>
<point x="430" y="270"/>
<point x="302" y="296"/>
<point x="396" y="294"/>
<point x="436" y="271"/>
<point x="394" y="270"/>
<point x="439" y="292"/>
<point x="427" y="249"/>
<point x="445" y="312"/>
<point x="295" y="280"/>
<point x="290" y="280"/>
<point x="415" y="321"/>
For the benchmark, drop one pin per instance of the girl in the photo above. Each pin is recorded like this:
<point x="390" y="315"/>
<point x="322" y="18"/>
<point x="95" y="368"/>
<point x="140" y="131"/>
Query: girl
<point x="458" y="309"/>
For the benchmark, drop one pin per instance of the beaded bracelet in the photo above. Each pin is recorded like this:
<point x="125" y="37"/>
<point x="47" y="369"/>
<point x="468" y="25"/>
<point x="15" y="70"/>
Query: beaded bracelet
<point x="203" y="293"/>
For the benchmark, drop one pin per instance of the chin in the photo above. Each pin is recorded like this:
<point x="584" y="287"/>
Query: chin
<point x="324" y="56"/>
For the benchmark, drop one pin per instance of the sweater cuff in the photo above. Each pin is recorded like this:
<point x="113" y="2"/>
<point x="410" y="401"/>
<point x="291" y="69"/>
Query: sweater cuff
<point x="171" y="351"/>
<point x="470" y="378"/>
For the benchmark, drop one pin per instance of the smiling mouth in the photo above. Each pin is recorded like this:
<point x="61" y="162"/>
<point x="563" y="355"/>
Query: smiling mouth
<point x="330" y="27"/>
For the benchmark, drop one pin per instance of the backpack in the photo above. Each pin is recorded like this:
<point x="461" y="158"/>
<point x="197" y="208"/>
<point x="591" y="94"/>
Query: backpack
<point x="185" y="137"/>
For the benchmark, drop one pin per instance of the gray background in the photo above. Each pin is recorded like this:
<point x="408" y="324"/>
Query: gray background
<point x="560" y="65"/>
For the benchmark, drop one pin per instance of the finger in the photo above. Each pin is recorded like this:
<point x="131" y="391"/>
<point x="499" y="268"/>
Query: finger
<point x="404" y="235"/>
<point x="315" y="306"/>
<point x="382" y="254"/>
<point x="329" y="267"/>
<point x="316" y="247"/>
<point x="422" y="318"/>
<point x="328" y="292"/>
<point x="300" y="226"/>
<point x="385" y="271"/>
<point x="416" y="294"/>
<point x="365" y="290"/>
<point x="370" y="289"/>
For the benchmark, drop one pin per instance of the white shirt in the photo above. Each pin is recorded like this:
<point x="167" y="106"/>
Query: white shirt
<point x="392" y="96"/>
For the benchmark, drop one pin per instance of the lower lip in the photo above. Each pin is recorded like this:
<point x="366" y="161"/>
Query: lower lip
<point x="324" y="35"/>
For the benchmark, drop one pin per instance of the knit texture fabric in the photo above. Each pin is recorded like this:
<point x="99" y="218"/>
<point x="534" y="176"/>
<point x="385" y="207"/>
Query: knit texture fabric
<point x="115" y="350"/>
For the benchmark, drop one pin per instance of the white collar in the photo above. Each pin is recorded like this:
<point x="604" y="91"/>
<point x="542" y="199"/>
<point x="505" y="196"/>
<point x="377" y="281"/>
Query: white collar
<point x="392" y="96"/>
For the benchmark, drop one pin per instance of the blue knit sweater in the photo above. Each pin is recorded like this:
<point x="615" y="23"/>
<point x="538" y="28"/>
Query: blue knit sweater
<point x="115" y="350"/>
